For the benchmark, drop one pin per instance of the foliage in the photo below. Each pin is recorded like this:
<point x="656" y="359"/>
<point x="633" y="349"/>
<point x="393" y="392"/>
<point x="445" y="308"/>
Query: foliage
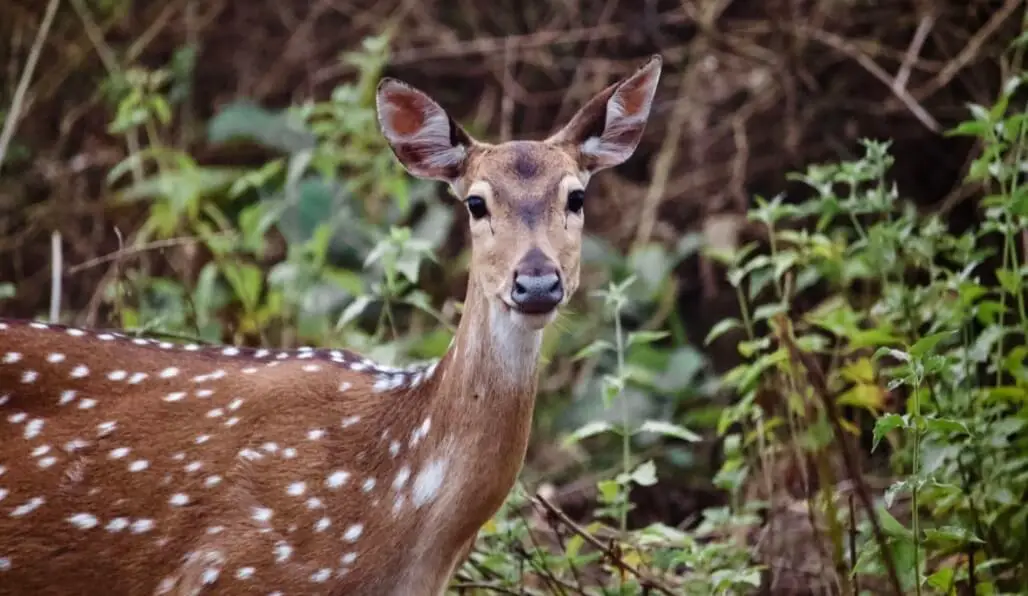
<point x="923" y="329"/>
<point x="918" y="336"/>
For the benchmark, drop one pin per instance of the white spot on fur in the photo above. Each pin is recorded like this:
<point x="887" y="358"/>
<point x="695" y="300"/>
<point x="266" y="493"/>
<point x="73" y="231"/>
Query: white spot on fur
<point x="117" y="524"/>
<point x="428" y="482"/>
<point x="28" y="507"/>
<point x="141" y="526"/>
<point x="353" y="532"/>
<point x="321" y="575"/>
<point x="337" y="479"/>
<point x="33" y="428"/>
<point x="401" y="478"/>
<point x="83" y="521"/>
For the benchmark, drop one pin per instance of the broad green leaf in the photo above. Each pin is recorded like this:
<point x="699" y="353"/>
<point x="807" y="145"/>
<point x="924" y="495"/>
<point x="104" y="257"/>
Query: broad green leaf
<point x="946" y="425"/>
<point x="645" y="474"/>
<point x="353" y="310"/>
<point x="859" y="371"/>
<point x="645" y="337"/>
<point x="669" y="429"/>
<point x="884" y="425"/>
<point x="863" y="395"/>
<point x="596" y="347"/>
<point x="1006" y="393"/>
<point x="928" y="343"/>
<point x="588" y="430"/>
<point x="1009" y="280"/>
<point x="892" y="527"/>
<point x="951" y="536"/>
<point x="767" y="311"/>
<point x="244" y="120"/>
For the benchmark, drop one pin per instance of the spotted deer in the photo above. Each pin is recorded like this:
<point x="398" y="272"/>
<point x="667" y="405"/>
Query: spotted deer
<point x="135" y="466"/>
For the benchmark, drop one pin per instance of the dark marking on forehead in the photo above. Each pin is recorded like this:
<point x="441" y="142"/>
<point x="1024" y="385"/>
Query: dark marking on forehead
<point x="525" y="165"/>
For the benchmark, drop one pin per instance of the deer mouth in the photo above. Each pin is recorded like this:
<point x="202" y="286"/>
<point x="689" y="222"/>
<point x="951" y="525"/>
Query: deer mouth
<point x="532" y="318"/>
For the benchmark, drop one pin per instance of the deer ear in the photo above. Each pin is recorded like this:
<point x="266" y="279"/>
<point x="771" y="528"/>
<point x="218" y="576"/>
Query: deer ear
<point x="608" y="128"/>
<point x="421" y="134"/>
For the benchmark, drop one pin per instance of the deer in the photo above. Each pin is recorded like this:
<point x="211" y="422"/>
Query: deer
<point x="134" y="465"/>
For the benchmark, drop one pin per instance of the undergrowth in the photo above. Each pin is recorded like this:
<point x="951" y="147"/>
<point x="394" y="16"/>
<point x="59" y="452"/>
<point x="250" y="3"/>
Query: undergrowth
<point x="914" y="353"/>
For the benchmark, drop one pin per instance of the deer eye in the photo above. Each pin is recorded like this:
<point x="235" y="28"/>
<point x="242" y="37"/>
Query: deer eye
<point x="576" y="199"/>
<point x="476" y="206"/>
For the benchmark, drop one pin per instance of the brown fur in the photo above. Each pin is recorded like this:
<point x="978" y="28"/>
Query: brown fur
<point x="131" y="466"/>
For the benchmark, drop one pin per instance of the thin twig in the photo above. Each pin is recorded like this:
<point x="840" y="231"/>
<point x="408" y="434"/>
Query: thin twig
<point x="26" y="75"/>
<point x="155" y="245"/>
<point x="56" y="268"/>
<point x="595" y="542"/>
<point x="913" y="52"/>
<point x="971" y="49"/>
<point x="846" y="47"/>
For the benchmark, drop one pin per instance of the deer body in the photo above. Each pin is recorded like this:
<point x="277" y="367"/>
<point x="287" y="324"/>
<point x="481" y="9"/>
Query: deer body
<point x="136" y="466"/>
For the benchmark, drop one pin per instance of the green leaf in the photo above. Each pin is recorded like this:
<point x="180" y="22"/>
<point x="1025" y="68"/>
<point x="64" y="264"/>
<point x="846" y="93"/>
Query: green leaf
<point x="768" y="311"/>
<point x="951" y="536"/>
<point x="942" y="580"/>
<point x="645" y="474"/>
<point x="892" y="527"/>
<point x="669" y="429"/>
<point x="353" y="310"/>
<point x="645" y="337"/>
<point x="1006" y="393"/>
<point x="723" y="326"/>
<point x="1009" y="280"/>
<point x="244" y="120"/>
<point x="927" y="343"/>
<point x="884" y="425"/>
<point x="588" y="430"/>
<point x="596" y="347"/>
<point x="945" y="425"/>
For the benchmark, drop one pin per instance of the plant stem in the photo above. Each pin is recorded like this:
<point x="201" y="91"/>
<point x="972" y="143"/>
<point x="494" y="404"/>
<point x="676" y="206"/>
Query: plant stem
<point x="14" y="114"/>
<point x="626" y="437"/>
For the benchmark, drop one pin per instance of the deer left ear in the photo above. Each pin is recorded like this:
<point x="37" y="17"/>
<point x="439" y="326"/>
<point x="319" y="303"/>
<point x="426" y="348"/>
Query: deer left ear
<point x="608" y="128"/>
<point x="421" y="134"/>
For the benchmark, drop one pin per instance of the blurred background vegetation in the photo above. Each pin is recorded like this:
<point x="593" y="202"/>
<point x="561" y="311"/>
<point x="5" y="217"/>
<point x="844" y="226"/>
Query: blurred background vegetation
<point x="797" y="364"/>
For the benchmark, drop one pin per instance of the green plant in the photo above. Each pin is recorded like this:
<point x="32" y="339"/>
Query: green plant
<point x="914" y="312"/>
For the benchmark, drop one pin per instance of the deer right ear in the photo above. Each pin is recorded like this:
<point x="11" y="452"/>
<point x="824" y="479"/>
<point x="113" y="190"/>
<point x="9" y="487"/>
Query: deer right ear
<point x="608" y="128"/>
<point x="421" y="134"/>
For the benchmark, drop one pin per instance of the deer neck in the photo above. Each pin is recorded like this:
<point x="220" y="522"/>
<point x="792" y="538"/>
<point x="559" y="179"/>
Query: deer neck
<point x="486" y="386"/>
<point x="492" y="358"/>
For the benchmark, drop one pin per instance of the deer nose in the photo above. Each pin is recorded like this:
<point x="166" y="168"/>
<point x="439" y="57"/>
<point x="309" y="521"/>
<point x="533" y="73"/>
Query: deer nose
<point x="537" y="290"/>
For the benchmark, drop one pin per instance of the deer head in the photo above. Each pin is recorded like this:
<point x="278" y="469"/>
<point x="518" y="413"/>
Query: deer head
<point x="526" y="199"/>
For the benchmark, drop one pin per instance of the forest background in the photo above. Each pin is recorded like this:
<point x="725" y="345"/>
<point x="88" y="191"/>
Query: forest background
<point x="798" y="362"/>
